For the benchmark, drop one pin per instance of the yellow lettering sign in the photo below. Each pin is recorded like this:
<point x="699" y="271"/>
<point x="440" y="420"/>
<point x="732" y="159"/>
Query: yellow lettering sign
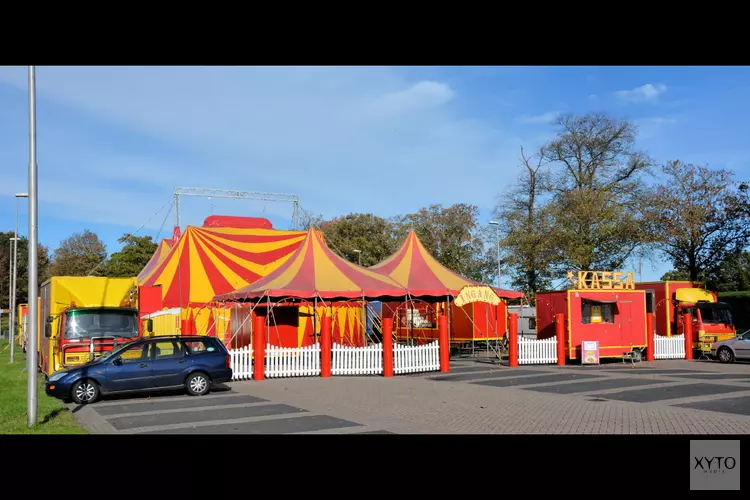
<point x="602" y="280"/>
<point x="480" y="293"/>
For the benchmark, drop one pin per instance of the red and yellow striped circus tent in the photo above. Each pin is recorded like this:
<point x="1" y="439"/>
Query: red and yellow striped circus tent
<point x="425" y="278"/>
<point x="413" y="267"/>
<point x="209" y="261"/>
<point x="314" y="271"/>
<point x="159" y="255"/>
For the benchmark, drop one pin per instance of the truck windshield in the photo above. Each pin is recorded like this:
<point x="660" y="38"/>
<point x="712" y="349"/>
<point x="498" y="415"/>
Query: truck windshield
<point x="715" y="313"/>
<point x="87" y="324"/>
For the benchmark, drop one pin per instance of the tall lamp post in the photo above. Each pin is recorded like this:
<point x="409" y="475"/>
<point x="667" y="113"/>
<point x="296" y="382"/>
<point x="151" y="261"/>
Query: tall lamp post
<point x="15" y="278"/>
<point x="359" y="256"/>
<point x="33" y="322"/>
<point x="499" y="273"/>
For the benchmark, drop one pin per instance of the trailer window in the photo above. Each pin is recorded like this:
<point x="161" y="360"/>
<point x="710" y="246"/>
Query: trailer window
<point x="593" y="312"/>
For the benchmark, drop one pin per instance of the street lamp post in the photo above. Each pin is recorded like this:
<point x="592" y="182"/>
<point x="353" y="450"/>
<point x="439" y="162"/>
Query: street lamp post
<point x="499" y="273"/>
<point x="359" y="256"/>
<point x="15" y="277"/>
<point x="33" y="321"/>
<point x="10" y="280"/>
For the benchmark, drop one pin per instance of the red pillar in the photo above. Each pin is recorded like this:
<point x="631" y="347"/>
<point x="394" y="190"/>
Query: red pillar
<point x="687" y="329"/>
<point x="513" y="339"/>
<point x="326" y="336"/>
<point x="259" y="347"/>
<point x="444" y="342"/>
<point x="387" y="347"/>
<point x="651" y="348"/>
<point x="560" y="334"/>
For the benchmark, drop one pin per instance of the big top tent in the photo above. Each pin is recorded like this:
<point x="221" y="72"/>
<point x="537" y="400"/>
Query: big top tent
<point x="161" y="253"/>
<point x="316" y="271"/>
<point x="208" y="261"/>
<point x="422" y="275"/>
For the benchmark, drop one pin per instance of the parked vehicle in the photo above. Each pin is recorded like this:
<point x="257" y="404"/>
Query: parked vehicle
<point x="146" y="364"/>
<point x="728" y="351"/>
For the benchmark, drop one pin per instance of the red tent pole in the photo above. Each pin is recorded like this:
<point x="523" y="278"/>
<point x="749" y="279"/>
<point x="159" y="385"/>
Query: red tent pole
<point x="513" y="339"/>
<point x="326" y="332"/>
<point x="560" y="333"/>
<point x="650" y="340"/>
<point x="387" y="347"/>
<point x="259" y="347"/>
<point x="687" y="329"/>
<point x="444" y="343"/>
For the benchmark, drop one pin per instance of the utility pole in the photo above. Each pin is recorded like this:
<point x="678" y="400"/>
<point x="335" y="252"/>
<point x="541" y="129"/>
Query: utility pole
<point x="33" y="317"/>
<point x="499" y="272"/>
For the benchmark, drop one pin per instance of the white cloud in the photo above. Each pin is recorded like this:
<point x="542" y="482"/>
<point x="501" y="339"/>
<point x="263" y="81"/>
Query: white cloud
<point x="543" y="119"/>
<point x="647" y="92"/>
<point x="343" y="139"/>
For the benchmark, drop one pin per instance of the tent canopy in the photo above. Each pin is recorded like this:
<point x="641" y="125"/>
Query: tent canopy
<point x="207" y="261"/>
<point x="159" y="255"/>
<point x="413" y="267"/>
<point x="315" y="271"/>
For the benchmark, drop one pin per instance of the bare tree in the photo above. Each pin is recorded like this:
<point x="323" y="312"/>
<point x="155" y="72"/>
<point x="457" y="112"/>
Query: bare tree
<point x="525" y="228"/>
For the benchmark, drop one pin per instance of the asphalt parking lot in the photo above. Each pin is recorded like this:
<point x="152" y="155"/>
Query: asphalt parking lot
<point x="659" y="397"/>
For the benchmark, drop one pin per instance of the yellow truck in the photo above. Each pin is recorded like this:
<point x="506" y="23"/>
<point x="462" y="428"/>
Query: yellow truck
<point x="82" y="317"/>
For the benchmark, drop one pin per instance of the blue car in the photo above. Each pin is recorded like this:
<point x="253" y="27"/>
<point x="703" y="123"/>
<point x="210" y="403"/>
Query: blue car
<point x="155" y="363"/>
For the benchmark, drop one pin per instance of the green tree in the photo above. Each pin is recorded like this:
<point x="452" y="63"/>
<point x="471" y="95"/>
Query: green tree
<point x="132" y="257"/>
<point x="595" y="185"/>
<point x="81" y="254"/>
<point x="524" y="228"/>
<point x="675" y="275"/>
<point x="22" y="260"/>
<point x="699" y="218"/>
<point x="453" y="236"/>
<point x="371" y="235"/>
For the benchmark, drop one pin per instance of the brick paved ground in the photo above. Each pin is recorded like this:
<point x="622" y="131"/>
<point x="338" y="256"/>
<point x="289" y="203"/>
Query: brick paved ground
<point x="663" y="397"/>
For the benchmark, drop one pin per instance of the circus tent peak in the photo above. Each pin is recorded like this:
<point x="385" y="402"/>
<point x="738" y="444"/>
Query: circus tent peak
<point x="415" y="268"/>
<point x="314" y="270"/>
<point x="207" y="261"/>
<point x="161" y="252"/>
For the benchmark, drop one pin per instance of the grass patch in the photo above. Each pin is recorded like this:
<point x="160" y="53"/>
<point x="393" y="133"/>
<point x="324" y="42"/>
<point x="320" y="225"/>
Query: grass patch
<point x="744" y="293"/>
<point x="52" y="416"/>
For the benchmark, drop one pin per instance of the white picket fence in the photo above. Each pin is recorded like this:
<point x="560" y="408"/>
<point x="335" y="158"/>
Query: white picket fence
<point x="537" y="351"/>
<point x="349" y="360"/>
<point x="669" y="347"/>
<point x="292" y="361"/>
<point x="241" y="363"/>
<point x="413" y="359"/>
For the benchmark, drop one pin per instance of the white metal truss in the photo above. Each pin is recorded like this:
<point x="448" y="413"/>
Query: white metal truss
<point x="237" y="195"/>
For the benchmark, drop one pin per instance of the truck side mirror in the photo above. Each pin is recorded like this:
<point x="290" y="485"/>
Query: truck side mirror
<point x="150" y="325"/>
<point x="50" y="319"/>
<point x="48" y="330"/>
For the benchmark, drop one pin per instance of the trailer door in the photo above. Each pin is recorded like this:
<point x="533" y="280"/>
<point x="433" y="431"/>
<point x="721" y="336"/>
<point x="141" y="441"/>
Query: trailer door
<point x="625" y="322"/>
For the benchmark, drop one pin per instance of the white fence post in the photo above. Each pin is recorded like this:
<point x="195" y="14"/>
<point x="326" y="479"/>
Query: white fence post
<point x="414" y="359"/>
<point x="537" y="351"/>
<point x="241" y="361"/>
<point x="348" y="360"/>
<point x="669" y="347"/>
<point x="292" y="361"/>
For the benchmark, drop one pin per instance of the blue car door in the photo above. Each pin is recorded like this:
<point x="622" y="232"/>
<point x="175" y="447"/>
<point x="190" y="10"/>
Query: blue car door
<point x="169" y="363"/>
<point x="132" y="373"/>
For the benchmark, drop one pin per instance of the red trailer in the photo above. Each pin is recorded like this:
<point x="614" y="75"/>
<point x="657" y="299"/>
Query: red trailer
<point x="601" y="309"/>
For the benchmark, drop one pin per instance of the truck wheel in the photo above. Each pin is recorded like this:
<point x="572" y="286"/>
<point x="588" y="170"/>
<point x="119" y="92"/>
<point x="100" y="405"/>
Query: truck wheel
<point x="197" y="384"/>
<point x="84" y="392"/>
<point x="725" y="355"/>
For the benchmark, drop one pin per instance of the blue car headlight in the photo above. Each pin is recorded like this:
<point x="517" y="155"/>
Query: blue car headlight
<point x="57" y="376"/>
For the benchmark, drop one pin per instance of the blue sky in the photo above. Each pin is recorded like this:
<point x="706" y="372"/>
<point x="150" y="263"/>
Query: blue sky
<point x="114" y="141"/>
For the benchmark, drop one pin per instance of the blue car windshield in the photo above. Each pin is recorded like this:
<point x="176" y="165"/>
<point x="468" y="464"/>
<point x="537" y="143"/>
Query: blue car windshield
<point x="115" y="352"/>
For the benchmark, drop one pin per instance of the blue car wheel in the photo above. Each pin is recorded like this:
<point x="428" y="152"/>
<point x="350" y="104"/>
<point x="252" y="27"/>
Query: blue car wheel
<point x="84" y="392"/>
